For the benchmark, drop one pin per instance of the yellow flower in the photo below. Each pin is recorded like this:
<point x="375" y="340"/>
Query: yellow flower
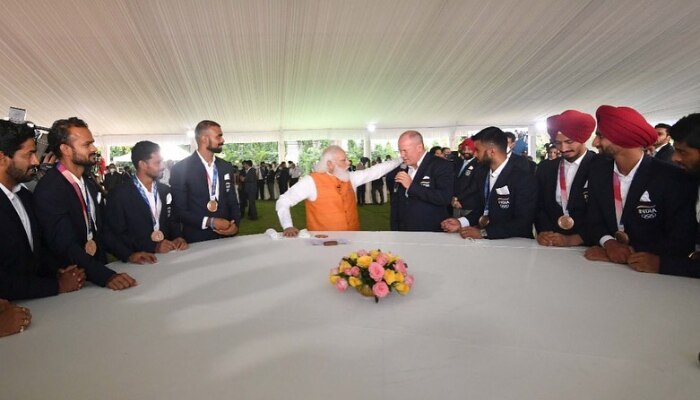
<point x="389" y="276"/>
<point x="364" y="261"/>
<point x="391" y="258"/>
<point x="399" y="277"/>
<point x="374" y="254"/>
<point x="354" y="281"/>
<point x="344" y="265"/>
<point x="402" y="288"/>
<point x="333" y="278"/>
<point x="353" y="256"/>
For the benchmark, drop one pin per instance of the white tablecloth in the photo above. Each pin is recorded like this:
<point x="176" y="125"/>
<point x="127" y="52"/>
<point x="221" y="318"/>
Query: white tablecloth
<point x="253" y="318"/>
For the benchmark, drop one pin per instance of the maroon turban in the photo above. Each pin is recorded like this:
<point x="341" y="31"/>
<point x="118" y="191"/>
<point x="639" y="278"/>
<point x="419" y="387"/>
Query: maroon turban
<point x="625" y="127"/>
<point x="573" y="124"/>
<point x="468" y="143"/>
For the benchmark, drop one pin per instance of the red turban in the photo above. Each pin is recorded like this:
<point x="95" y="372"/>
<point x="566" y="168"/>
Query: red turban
<point x="625" y="127"/>
<point x="468" y="143"/>
<point x="573" y="124"/>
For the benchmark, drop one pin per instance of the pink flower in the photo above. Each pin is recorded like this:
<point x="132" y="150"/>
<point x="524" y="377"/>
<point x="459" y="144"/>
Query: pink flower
<point x="361" y="253"/>
<point x="334" y="271"/>
<point x="376" y="271"/>
<point x="341" y="285"/>
<point x="380" y="289"/>
<point x="400" y="266"/>
<point x="382" y="259"/>
<point x="355" y="271"/>
<point x="408" y="280"/>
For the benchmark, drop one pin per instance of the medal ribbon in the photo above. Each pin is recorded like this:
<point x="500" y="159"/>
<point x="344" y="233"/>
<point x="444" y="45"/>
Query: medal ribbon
<point x="155" y="215"/>
<point x="617" y="194"/>
<point x="84" y="201"/>
<point x="212" y="181"/>
<point x="562" y="189"/>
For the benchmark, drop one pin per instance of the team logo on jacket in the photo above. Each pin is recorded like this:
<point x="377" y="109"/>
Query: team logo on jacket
<point x="646" y="209"/>
<point x="425" y="182"/>
<point x="227" y="180"/>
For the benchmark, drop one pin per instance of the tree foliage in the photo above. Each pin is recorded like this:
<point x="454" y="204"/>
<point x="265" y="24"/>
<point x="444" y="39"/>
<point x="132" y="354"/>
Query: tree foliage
<point x="257" y="152"/>
<point x="310" y="153"/>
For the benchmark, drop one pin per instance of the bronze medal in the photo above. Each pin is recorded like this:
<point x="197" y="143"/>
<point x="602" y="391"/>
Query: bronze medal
<point x="212" y="205"/>
<point x="622" y="237"/>
<point x="483" y="221"/>
<point x="565" y="222"/>
<point x="157" y="236"/>
<point x="91" y="247"/>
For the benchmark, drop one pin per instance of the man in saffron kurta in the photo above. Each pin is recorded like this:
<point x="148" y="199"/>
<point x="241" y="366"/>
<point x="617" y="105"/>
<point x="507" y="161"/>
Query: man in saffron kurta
<point x="329" y="194"/>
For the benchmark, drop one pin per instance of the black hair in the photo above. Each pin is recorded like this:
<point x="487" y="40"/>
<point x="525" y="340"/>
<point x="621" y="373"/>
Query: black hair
<point x="662" y="126"/>
<point x="511" y="136"/>
<point x="203" y="126"/>
<point x="494" y="136"/>
<point x="13" y="135"/>
<point x="434" y="149"/>
<point x="142" y="151"/>
<point x="687" y="130"/>
<point x="58" y="134"/>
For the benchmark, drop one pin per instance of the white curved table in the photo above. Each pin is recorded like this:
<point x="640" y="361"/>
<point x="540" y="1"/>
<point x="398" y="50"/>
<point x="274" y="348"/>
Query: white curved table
<point x="253" y="318"/>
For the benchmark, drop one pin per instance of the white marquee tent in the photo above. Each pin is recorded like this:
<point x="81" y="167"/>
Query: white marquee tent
<point x="281" y="70"/>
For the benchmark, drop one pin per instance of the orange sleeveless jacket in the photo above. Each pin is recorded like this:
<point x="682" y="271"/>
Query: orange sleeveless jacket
<point x="335" y="206"/>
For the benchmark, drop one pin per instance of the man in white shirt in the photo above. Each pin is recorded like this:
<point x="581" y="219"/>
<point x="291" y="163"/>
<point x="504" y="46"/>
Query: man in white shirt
<point x="23" y="274"/>
<point x="329" y="194"/>
<point x="636" y="202"/>
<point x="294" y="173"/>
<point x="563" y="182"/>
<point x="508" y="196"/>
<point x="68" y="206"/>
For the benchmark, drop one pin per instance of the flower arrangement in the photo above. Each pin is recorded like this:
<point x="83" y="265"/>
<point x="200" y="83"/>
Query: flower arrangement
<point x="372" y="273"/>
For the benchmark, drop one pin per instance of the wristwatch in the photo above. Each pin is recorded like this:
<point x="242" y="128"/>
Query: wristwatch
<point x="483" y="233"/>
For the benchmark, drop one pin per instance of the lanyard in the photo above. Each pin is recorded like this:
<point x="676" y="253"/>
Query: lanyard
<point x="154" y="212"/>
<point x="562" y="188"/>
<point x="617" y="193"/>
<point x="84" y="200"/>
<point x="212" y="181"/>
<point x="487" y="193"/>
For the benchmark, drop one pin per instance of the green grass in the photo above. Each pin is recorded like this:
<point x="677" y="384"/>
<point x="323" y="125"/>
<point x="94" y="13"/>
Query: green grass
<point x="372" y="218"/>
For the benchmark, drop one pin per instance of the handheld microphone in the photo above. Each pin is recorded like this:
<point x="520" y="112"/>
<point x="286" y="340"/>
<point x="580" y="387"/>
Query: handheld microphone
<point x="403" y="168"/>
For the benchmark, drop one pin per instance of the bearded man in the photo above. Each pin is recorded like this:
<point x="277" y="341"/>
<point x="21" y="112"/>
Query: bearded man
<point x="329" y="194"/>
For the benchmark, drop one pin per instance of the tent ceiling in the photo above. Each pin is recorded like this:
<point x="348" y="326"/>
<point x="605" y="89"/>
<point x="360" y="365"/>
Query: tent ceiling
<point x="159" y="66"/>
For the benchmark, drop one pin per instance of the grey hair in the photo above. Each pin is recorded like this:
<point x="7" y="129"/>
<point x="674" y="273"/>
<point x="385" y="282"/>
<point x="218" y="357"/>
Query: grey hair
<point x="327" y="155"/>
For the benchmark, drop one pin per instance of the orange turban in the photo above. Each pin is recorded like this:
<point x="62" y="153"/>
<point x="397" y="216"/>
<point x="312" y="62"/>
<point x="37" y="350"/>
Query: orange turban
<point x="573" y="124"/>
<point x="625" y="127"/>
<point x="468" y="143"/>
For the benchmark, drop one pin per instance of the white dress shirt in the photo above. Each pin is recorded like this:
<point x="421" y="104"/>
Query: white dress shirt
<point x="90" y="203"/>
<point x="210" y="173"/>
<point x="625" y="183"/>
<point x="305" y="189"/>
<point x="493" y="177"/>
<point x="21" y="211"/>
<point x="412" y="171"/>
<point x="570" y="170"/>
<point x="152" y="203"/>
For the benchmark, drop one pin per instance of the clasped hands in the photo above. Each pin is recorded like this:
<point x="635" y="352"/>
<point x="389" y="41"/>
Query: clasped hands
<point x="224" y="227"/>
<point x="616" y="252"/>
